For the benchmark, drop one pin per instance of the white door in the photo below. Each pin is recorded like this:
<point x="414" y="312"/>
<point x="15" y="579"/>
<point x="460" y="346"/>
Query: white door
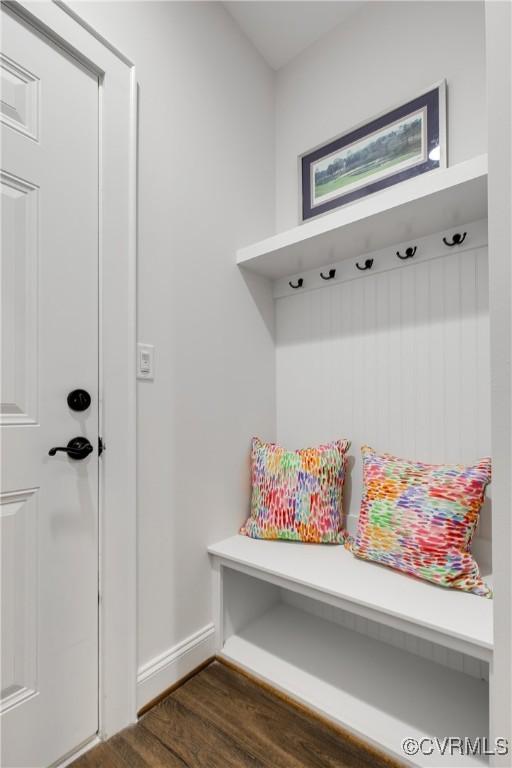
<point x="49" y="313"/>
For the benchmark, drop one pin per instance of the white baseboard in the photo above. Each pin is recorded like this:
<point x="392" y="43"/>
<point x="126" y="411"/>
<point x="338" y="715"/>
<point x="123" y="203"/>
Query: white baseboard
<point x="77" y="752"/>
<point x="159" y="673"/>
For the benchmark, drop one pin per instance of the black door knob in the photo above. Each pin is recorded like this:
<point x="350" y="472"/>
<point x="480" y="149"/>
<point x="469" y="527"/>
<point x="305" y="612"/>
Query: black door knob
<point x="79" y="400"/>
<point x="77" y="448"/>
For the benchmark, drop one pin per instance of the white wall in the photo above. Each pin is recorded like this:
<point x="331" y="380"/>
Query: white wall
<point x="384" y="54"/>
<point x="206" y="180"/>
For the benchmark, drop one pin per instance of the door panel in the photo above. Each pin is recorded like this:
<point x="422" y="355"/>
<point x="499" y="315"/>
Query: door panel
<point x="49" y="314"/>
<point x="18" y="529"/>
<point x="19" y="301"/>
<point x="20" y="98"/>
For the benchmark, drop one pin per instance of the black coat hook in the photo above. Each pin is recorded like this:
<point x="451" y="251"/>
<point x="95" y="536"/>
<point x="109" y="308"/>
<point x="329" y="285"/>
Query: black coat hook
<point x="457" y="239"/>
<point x="300" y="283"/>
<point x="367" y="265"/>
<point x="409" y="253"/>
<point x="332" y="273"/>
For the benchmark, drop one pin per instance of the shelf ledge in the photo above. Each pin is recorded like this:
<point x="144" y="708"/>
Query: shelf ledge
<point x="434" y="201"/>
<point x="451" y="618"/>
<point x="380" y="693"/>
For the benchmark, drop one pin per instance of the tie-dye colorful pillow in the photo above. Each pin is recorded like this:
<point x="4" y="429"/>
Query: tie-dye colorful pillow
<point x="421" y="518"/>
<point x="297" y="495"/>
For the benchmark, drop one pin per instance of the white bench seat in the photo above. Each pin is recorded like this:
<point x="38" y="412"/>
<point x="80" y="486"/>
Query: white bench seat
<point x="454" y="619"/>
<point x="380" y="692"/>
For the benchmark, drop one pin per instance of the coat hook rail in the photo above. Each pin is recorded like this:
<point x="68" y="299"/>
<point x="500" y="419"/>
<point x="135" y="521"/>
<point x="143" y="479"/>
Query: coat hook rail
<point x="457" y="239"/>
<point x="368" y="264"/>
<point x="342" y="266"/>
<point x="409" y="253"/>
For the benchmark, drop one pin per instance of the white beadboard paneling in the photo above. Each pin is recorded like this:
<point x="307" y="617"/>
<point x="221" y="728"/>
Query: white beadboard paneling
<point x="398" y="360"/>
<point x="447" y="657"/>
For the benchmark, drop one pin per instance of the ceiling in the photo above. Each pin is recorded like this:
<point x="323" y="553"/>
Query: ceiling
<point x="281" y="29"/>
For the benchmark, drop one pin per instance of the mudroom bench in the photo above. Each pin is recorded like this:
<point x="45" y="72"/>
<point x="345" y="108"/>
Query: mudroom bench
<point x="381" y="654"/>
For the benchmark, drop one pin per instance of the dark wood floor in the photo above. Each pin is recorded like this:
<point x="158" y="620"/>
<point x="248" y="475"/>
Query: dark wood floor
<point x="221" y="719"/>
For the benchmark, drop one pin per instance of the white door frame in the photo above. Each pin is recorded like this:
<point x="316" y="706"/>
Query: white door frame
<point x="117" y="345"/>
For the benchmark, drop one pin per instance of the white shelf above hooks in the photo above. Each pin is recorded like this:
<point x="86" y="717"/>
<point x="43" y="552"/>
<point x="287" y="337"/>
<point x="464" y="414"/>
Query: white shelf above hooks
<point x="438" y="201"/>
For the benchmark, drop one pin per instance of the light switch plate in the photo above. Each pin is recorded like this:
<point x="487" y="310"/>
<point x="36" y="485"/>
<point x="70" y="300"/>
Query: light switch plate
<point x="145" y="361"/>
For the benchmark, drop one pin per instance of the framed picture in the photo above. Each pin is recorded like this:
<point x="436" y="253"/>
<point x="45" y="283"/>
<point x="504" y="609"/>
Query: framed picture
<point x="392" y="147"/>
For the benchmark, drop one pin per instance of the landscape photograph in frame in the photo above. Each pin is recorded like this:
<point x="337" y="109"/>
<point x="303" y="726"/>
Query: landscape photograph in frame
<point x="402" y="143"/>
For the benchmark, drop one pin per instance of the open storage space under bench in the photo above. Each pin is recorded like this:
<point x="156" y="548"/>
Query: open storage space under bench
<point x="289" y="613"/>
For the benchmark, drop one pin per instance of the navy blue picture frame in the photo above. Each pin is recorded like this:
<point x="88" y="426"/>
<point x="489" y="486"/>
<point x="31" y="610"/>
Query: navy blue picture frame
<point x="433" y="102"/>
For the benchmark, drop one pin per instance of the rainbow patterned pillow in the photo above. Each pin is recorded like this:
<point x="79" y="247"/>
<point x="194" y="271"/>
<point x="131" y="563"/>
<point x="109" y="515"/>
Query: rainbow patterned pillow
<point x="297" y="494"/>
<point x="420" y="518"/>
